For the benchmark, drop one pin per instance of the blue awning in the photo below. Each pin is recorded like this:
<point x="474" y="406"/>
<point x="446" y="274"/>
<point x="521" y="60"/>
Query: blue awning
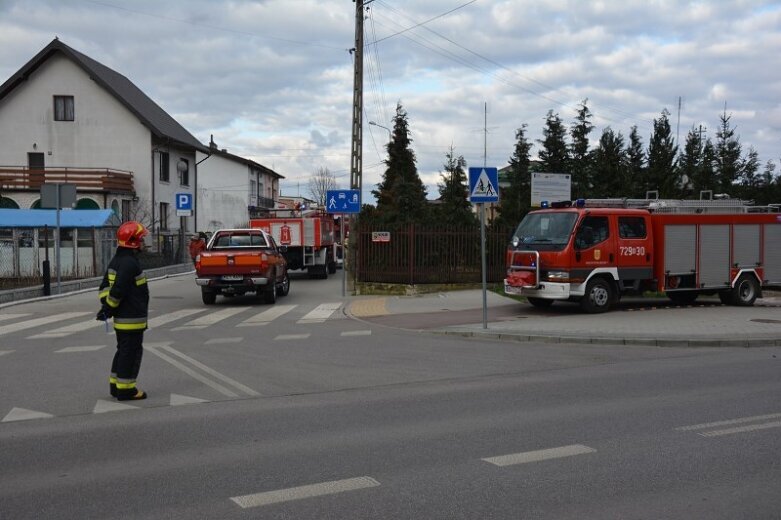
<point x="69" y="218"/>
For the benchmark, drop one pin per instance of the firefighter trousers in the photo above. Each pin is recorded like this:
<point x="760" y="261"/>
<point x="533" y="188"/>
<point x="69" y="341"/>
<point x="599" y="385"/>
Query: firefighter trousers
<point x="126" y="363"/>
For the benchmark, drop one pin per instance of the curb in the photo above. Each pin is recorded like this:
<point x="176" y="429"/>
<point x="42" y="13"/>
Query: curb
<point x="584" y="340"/>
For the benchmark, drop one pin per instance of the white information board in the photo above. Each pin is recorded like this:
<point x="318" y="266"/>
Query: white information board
<point x="552" y="187"/>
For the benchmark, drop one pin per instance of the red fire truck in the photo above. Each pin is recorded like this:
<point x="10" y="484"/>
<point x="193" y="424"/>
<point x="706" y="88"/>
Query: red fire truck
<point x="593" y="251"/>
<point x="309" y="236"/>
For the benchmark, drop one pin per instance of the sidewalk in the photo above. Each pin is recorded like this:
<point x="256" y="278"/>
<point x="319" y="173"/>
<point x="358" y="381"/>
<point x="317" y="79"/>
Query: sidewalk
<point x="637" y="321"/>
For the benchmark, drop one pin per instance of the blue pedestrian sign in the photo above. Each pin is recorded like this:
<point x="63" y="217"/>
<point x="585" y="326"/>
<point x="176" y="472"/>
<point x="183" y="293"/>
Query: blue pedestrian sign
<point x="483" y="184"/>
<point x="342" y="201"/>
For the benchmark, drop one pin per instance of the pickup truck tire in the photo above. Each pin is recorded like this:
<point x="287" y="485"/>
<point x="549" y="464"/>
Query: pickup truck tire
<point x="598" y="297"/>
<point x="270" y="294"/>
<point x="209" y="297"/>
<point x="284" y="287"/>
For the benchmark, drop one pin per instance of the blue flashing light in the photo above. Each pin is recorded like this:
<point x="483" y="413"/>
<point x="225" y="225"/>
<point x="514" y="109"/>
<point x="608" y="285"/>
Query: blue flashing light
<point x="580" y="203"/>
<point x="544" y="204"/>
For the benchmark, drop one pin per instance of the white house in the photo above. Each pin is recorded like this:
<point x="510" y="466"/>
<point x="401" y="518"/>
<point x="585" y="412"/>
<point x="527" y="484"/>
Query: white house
<point x="64" y="117"/>
<point x="231" y="189"/>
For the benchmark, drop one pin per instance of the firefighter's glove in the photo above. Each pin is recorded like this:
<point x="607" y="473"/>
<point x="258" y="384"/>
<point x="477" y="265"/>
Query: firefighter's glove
<point x="104" y="313"/>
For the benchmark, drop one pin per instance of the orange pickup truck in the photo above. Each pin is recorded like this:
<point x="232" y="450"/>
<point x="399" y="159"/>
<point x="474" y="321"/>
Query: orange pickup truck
<point x="240" y="261"/>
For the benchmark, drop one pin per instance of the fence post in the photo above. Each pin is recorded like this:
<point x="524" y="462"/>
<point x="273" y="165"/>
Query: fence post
<point x="412" y="254"/>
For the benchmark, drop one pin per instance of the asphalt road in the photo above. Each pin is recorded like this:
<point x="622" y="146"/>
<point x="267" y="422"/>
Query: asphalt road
<point x="295" y="411"/>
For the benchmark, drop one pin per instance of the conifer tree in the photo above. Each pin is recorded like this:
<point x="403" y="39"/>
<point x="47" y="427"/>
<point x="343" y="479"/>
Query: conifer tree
<point x="728" y="160"/>
<point x="636" y="183"/>
<point x="554" y="154"/>
<point x="515" y="200"/>
<point x="454" y="208"/>
<point x="581" y="161"/>
<point x="690" y="164"/>
<point x="610" y="166"/>
<point x="401" y="195"/>
<point x="662" y="164"/>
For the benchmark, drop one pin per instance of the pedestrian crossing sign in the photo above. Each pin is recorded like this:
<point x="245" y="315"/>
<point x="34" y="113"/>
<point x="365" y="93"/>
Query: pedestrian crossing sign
<point x="483" y="184"/>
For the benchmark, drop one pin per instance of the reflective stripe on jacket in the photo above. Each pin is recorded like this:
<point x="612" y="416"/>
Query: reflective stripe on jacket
<point x="124" y="288"/>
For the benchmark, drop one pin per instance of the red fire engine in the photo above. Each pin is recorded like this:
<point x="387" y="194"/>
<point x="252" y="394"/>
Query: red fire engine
<point x="593" y="251"/>
<point x="309" y="236"/>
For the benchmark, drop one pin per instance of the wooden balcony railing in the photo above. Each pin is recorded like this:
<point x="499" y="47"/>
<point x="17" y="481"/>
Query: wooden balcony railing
<point x="104" y="180"/>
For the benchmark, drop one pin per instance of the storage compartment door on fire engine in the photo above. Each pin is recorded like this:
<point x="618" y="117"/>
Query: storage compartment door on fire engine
<point x="714" y="255"/>
<point x="594" y="247"/>
<point x="772" y="253"/>
<point x="634" y="247"/>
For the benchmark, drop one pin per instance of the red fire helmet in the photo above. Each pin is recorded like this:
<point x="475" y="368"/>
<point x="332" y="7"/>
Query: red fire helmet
<point x="131" y="234"/>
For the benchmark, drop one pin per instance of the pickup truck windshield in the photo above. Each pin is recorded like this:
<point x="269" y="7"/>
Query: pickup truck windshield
<point x="239" y="240"/>
<point x="549" y="231"/>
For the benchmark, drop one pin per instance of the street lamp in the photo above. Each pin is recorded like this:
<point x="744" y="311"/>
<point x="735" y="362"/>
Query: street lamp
<point x="390" y="134"/>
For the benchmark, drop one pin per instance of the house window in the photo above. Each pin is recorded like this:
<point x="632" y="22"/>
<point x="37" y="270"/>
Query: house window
<point x="164" y="175"/>
<point x="125" y="210"/>
<point x="63" y="108"/>
<point x="164" y="216"/>
<point x="184" y="172"/>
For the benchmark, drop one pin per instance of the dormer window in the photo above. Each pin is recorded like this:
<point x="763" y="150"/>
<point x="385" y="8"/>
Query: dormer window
<point x="63" y="108"/>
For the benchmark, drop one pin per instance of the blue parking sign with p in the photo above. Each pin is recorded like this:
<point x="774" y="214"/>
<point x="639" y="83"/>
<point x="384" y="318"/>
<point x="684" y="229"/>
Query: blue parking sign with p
<point x="184" y="201"/>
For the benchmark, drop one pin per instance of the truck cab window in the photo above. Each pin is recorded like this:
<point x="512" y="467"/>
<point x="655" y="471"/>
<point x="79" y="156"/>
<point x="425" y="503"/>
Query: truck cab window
<point x="592" y="231"/>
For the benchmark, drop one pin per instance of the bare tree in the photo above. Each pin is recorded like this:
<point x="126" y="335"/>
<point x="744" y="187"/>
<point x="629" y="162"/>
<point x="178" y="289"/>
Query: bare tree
<point x="320" y="182"/>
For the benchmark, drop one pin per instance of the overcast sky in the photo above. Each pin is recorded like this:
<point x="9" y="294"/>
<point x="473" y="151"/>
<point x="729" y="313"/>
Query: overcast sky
<point x="272" y="79"/>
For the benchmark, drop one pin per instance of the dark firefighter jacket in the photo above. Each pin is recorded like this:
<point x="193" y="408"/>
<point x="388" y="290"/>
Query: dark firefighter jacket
<point x="125" y="291"/>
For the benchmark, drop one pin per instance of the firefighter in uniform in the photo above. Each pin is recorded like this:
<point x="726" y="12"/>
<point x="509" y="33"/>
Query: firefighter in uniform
<point x="124" y="296"/>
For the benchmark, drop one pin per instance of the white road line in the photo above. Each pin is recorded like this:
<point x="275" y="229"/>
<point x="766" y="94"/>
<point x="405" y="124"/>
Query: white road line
<point x="79" y="349"/>
<point x="37" y="322"/>
<point x="69" y="329"/>
<point x="705" y="426"/>
<point x="189" y="371"/>
<point x="539" y="455"/>
<point x="321" y="313"/>
<point x="172" y="316"/>
<point x="301" y="492"/>
<point x="285" y="337"/>
<point x="225" y="379"/>
<point x="179" y="400"/>
<point x="102" y="406"/>
<point x="356" y="333"/>
<point x="212" y="318"/>
<point x="221" y="341"/>
<point x="263" y="318"/>
<point x="4" y="317"/>
<point x="2" y="352"/>
<point x="741" y="429"/>
<point x="23" y="414"/>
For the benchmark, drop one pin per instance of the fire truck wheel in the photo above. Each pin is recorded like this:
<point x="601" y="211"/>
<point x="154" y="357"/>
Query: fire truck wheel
<point x="284" y="287"/>
<point x="541" y="303"/>
<point x="745" y="291"/>
<point x="331" y="267"/>
<point x="598" y="297"/>
<point x="208" y="297"/>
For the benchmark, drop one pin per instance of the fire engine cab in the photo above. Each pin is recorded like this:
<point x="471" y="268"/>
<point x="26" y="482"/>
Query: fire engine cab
<point x="594" y="250"/>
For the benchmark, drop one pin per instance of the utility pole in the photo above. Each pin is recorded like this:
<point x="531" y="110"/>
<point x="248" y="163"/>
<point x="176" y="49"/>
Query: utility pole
<point x="356" y="165"/>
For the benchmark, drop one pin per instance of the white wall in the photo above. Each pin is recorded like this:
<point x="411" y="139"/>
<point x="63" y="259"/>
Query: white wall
<point x="223" y="193"/>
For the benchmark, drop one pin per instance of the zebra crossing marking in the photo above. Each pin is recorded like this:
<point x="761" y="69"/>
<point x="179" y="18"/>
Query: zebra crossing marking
<point x="3" y="352"/>
<point x="68" y="330"/>
<point x="222" y="341"/>
<point x="172" y="316"/>
<point x="265" y="317"/>
<point x="6" y="317"/>
<point x="211" y="318"/>
<point x="356" y="333"/>
<point x="79" y="349"/>
<point x="37" y="322"/>
<point x="321" y="313"/>
<point x="285" y="337"/>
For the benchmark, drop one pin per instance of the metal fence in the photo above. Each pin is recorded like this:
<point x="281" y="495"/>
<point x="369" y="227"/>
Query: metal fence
<point x="84" y="253"/>
<point x="416" y="254"/>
